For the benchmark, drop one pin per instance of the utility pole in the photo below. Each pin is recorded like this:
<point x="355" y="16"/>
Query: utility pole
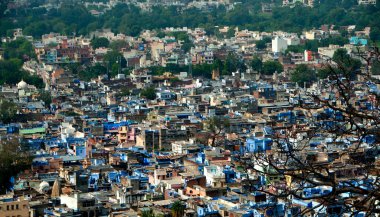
<point x="190" y="66"/>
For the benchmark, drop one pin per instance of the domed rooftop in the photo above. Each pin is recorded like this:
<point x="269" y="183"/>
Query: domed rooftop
<point x="44" y="187"/>
<point x="22" y="85"/>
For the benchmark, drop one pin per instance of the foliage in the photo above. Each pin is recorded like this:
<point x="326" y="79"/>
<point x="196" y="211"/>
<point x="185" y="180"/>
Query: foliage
<point x="344" y="64"/>
<point x="46" y="97"/>
<point x="303" y="74"/>
<point x="149" y="93"/>
<point x="295" y="49"/>
<point x="261" y="45"/>
<point x="92" y="72"/>
<point x="11" y="73"/>
<point x="131" y="20"/>
<point x="342" y="58"/>
<point x="257" y="64"/>
<point x="183" y="37"/>
<point x="69" y="113"/>
<point x="20" y="48"/>
<point x="232" y="64"/>
<point x="375" y="34"/>
<point x="375" y="68"/>
<point x="270" y="67"/>
<point x="147" y="213"/>
<point x="324" y="72"/>
<point x="123" y="92"/>
<point x="230" y="32"/>
<point x="296" y="151"/>
<point x="178" y="209"/>
<point x="216" y="125"/>
<point x="118" y="45"/>
<point x="99" y="42"/>
<point x="15" y="53"/>
<point x="115" y="62"/>
<point x="8" y="111"/>
<point x="12" y="160"/>
<point x="313" y="45"/>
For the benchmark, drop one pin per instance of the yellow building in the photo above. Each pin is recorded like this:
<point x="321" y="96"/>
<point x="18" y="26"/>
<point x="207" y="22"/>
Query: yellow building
<point x="10" y="207"/>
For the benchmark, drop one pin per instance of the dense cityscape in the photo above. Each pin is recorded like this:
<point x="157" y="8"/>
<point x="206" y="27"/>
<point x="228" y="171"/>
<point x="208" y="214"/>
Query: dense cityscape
<point x="207" y="108"/>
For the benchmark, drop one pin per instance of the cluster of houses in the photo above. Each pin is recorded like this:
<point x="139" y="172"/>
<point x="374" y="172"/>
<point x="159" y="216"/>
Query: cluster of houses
<point x="101" y="152"/>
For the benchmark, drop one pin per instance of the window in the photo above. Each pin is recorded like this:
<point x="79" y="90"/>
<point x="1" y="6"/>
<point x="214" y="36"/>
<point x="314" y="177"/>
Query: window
<point x="16" y="206"/>
<point x="13" y="207"/>
<point x="7" y="207"/>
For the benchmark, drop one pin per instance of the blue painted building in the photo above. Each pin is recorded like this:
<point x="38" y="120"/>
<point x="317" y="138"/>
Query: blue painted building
<point x="257" y="144"/>
<point x="358" y="41"/>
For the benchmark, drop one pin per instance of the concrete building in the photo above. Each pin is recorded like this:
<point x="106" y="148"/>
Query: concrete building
<point x="9" y="206"/>
<point x="279" y="45"/>
<point x="85" y="203"/>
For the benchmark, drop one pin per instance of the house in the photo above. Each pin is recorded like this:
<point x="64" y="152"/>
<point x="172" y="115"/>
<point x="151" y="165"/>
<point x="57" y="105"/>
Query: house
<point x="215" y="176"/>
<point x="14" y="206"/>
<point x="85" y="203"/>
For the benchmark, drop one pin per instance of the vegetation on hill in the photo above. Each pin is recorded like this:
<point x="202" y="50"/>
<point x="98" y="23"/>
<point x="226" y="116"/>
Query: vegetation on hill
<point x="15" y="53"/>
<point x="13" y="159"/>
<point x="75" y="19"/>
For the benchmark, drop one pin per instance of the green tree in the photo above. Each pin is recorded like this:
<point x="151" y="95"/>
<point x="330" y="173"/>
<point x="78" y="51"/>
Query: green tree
<point x="270" y="67"/>
<point x="178" y="209"/>
<point x="10" y="71"/>
<point x="92" y="72"/>
<point x="149" y="93"/>
<point x="161" y="34"/>
<point x="295" y="49"/>
<point x="231" y="64"/>
<point x="115" y="61"/>
<point x="324" y="72"/>
<point x="230" y="33"/>
<point x="99" y="42"/>
<point x="123" y="92"/>
<point x="8" y="111"/>
<point x="346" y="62"/>
<point x="375" y="34"/>
<point x="118" y="45"/>
<point x="375" y="68"/>
<point x="13" y="159"/>
<point x="45" y="96"/>
<point x="147" y="213"/>
<point x="20" y="48"/>
<point x="303" y="74"/>
<point x="257" y="64"/>
<point x="261" y="45"/>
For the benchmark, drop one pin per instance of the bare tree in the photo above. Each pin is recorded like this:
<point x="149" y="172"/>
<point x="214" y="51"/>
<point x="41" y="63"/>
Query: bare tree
<point x="329" y="154"/>
<point x="216" y="126"/>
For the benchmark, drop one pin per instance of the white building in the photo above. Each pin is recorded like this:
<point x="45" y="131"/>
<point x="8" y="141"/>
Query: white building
<point x="83" y="202"/>
<point x="328" y="52"/>
<point x="293" y="40"/>
<point x="184" y="147"/>
<point x="279" y="45"/>
<point x="214" y="176"/>
<point x="367" y="2"/>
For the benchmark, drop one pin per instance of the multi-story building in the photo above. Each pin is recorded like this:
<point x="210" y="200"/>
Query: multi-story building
<point x="279" y="45"/>
<point x="10" y="206"/>
<point x="367" y="2"/>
